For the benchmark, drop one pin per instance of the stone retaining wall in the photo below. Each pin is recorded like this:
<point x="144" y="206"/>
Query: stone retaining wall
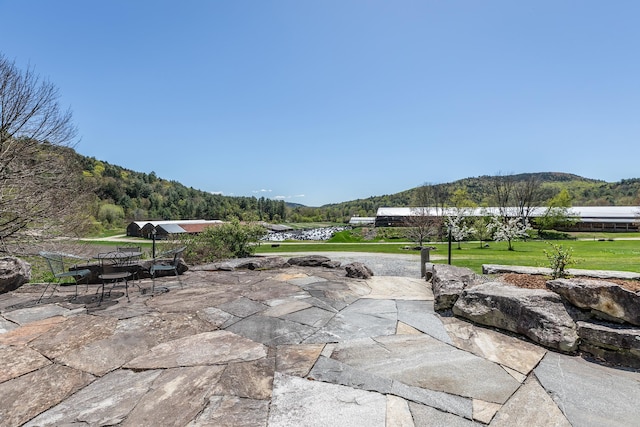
<point x="592" y="317"/>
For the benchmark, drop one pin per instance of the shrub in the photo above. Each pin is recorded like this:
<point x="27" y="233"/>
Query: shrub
<point x="554" y="235"/>
<point x="228" y="240"/>
<point x="559" y="259"/>
<point x="110" y="214"/>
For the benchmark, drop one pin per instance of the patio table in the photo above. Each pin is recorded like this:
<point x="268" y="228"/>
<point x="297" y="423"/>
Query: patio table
<point x="113" y="269"/>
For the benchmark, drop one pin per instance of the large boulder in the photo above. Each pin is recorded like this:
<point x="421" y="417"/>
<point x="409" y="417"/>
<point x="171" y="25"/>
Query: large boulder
<point x="448" y="282"/>
<point x="613" y="343"/>
<point x="358" y="270"/>
<point x="94" y="268"/>
<point x="520" y="269"/>
<point x="606" y="300"/>
<point x="309" y="261"/>
<point x="535" y="313"/>
<point x="14" y="273"/>
<point x="264" y="263"/>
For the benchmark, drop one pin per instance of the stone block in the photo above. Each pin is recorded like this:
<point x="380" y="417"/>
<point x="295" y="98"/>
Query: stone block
<point x="615" y="344"/>
<point x="448" y="282"/>
<point x="535" y="313"/>
<point x="605" y="299"/>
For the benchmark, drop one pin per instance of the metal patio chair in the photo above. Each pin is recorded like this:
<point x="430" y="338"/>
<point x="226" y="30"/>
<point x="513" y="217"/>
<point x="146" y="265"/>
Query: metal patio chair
<point x="176" y="254"/>
<point x="56" y="265"/>
<point x="132" y="263"/>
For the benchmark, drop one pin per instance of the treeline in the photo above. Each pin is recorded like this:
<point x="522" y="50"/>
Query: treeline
<point x="123" y="195"/>
<point x="481" y="192"/>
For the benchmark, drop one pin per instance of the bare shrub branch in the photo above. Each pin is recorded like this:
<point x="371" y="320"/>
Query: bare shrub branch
<point x="40" y="182"/>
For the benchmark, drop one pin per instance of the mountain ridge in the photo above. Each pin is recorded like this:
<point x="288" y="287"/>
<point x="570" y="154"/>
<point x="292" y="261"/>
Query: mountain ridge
<point x="143" y="196"/>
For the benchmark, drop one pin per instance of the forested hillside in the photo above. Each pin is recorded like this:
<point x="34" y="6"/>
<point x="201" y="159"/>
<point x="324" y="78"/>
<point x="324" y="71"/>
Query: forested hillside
<point x="480" y="191"/>
<point x="123" y="195"/>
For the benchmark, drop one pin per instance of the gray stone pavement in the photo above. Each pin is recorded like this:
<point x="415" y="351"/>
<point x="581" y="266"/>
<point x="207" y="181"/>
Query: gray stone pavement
<point x="288" y="347"/>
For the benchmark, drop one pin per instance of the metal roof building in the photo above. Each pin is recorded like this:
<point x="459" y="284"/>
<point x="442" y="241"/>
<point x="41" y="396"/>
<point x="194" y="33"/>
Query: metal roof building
<point x="135" y="228"/>
<point x="591" y="218"/>
<point x="145" y="228"/>
<point x="362" y="220"/>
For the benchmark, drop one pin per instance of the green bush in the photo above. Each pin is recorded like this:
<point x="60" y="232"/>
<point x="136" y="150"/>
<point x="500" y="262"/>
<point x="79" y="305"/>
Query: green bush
<point x="391" y="233"/>
<point x="110" y="214"/>
<point x="559" y="259"/>
<point x="554" y="235"/>
<point x="228" y="240"/>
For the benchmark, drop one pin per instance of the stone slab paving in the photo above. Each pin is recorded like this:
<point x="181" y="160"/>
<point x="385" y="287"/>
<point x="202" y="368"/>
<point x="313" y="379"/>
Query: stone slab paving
<point x="421" y="316"/>
<point x="299" y="402"/>
<point x="106" y="401"/>
<point x="300" y="346"/>
<point x="363" y="318"/>
<point x="279" y="308"/>
<point x="7" y="325"/>
<point x="510" y="352"/>
<point x="423" y="361"/>
<point x="20" y="360"/>
<point x="398" y="288"/>
<point x="312" y="316"/>
<point x="531" y="405"/>
<point x="589" y="394"/>
<point x="31" y="314"/>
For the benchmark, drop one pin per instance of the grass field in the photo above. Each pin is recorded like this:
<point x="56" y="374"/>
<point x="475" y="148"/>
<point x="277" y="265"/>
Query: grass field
<point x="592" y="254"/>
<point x="597" y="251"/>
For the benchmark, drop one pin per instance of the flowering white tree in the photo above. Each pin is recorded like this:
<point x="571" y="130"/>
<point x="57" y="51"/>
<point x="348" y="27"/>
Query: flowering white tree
<point x="458" y="225"/>
<point x="508" y="229"/>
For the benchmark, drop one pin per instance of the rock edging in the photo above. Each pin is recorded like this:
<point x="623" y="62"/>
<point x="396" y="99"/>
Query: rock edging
<point x="592" y="317"/>
<point x="354" y="269"/>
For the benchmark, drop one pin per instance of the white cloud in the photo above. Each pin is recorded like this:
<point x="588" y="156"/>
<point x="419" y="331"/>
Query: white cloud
<point x="296" y="196"/>
<point x="261" y="191"/>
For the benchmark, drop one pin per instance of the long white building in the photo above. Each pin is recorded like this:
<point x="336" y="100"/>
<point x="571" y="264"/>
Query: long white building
<point x="591" y="218"/>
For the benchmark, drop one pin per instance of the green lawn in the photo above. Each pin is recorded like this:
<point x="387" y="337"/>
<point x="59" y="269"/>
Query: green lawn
<point x="598" y="251"/>
<point x="610" y="254"/>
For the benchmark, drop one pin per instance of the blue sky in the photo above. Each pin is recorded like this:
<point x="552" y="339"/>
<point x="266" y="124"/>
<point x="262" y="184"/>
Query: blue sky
<point x="320" y="102"/>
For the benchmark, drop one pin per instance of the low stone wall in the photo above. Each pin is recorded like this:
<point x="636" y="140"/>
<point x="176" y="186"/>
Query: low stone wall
<point x="593" y="317"/>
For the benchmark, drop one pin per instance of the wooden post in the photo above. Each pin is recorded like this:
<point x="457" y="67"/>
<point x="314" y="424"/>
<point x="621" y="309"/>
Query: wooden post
<point x="424" y="258"/>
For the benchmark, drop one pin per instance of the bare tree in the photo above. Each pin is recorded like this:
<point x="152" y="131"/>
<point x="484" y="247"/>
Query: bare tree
<point x="527" y="195"/>
<point x="422" y="224"/>
<point x="426" y="219"/>
<point x="440" y="196"/>
<point x="517" y="198"/>
<point x="503" y="194"/>
<point x="38" y="183"/>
